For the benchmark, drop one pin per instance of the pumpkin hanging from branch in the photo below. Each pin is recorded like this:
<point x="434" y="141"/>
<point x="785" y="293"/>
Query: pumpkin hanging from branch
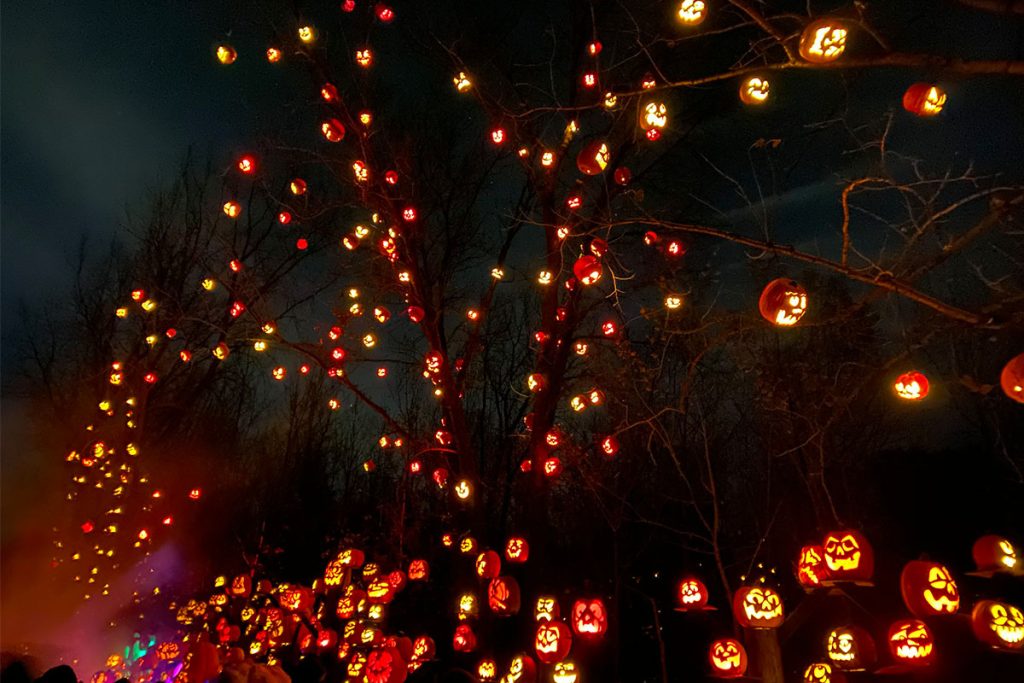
<point x="594" y="158"/>
<point x="783" y="302"/>
<point x="928" y="589"/>
<point x="851" y="648"/>
<point x="998" y="624"/>
<point x="823" y="41"/>
<point x="728" y="658"/>
<point x="924" y="99"/>
<point x="911" y="386"/>
<point x="758" y="607"/>
<point x="1012" y="378"/>
<point x="755" y="90"/>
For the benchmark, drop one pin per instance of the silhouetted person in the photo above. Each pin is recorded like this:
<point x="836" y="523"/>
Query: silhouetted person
<point x="15" y="671"/>
<point x="59" y="674"/>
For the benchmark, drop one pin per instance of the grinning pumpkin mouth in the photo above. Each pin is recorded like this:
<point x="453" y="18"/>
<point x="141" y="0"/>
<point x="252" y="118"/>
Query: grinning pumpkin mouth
<point x="1010" y="634"/>
<point x="842" y="656"/>
<point x="758" y="614"/>
<point x="729" y="662"/>
<point x="909" y="651"/>
<point x="690" y="597"/>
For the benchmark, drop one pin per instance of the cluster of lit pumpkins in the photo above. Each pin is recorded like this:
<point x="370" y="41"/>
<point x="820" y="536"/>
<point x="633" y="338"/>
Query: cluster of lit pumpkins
<point x="929" y="590"/>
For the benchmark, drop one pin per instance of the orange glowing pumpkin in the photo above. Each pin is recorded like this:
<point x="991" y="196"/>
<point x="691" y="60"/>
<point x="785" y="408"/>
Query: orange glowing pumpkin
<point x="848" y="556"/>
<point x="691" y="595"/>
<point x="783" y="302"/>
<point x="850" y="648"/>
<point x="811" y="568"/>
<point x="994" y="554"/>
<point x="758" y="607"/>
<point x="929" y="589"/>
<point x="823" y="41"/>
<point x="728" y="658"/>
<point x="517" y="550"/>
<point x="998" y="624"/>
<point x="589" y="618"/>
<point x="924" y="99"/>
<point x="911" y="642"/>
<point x="552" y="641"/>
<point x="911" y="386"/>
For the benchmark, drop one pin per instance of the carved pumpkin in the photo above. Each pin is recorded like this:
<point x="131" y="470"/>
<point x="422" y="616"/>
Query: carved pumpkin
<point x="423" y="649"/>
<point x="587" y="270"/>
<point x="385" y="665"/>
<point x="486" y="670"/>
<point x="910" y="642"/>
<point x="691" y="594"/>
<point x="653" y="116"/>
<point x="1011" y="379"/>
<point x="552" y="641"/>
<point x="850" y="648"/>
<point x="352" y="557"/>
<point x="295" y="598"/>
<point x="692" y="12"/>
<point x="994" y="554"/>
<point x="822" y="672"/>
<point x="728" y="658"/>
<point x="503" y="596"/>
<point x="911" y="386"/>
<point x="522" y="669"/>
<point x="419" y="570"/>
<point x="755" y="90"/>
<point x="823" y="41"/>
<point x="546" y="608"/>
<point x="589" y="618"/>
<point x="811" y="569"/>
<point x="998" y="624"/>
<point x="928" y="589"/>
<point x="924" y="99"/>
<point x="464" y="639"/>
<point x="517" y="550"/>
<point x="334" y="574"/>
<point x="848" y="556"/>
<point x="488" y="564"/>
<point x="241" y="586"/>
<point x="467" y="606"/>
<point x="380" y="591"/>
<point x="565" y="672"/>
<point x="594" y="158"/>
<point x="758" y="607"/>
<point x="783" y="302"/>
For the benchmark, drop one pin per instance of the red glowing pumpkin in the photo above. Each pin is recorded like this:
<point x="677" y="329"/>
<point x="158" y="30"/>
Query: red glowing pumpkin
<point x="488" y="564"/>
<point x="464" y="639"/>
<point x="517" y="550"/>
<point x="783" y="302"/>
<point x="924" y="99"/>
<point x="552" y="641"/>
<point x="811" y="568"/>
<point x="503" y="596"/>
<point x="587" y="270"/>
<point x="1011" y="379"/>
<point x="910" y="642"/>
<point x="589" y="618"/>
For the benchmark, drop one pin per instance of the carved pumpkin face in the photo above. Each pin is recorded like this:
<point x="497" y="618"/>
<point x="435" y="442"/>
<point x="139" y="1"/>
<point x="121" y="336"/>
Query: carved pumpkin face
<point x="728" y="658"/>
<point x="783" y="302"/>
<point x="998" y="624"/>
<point x="467" y="607"/>
<point x="911" y="386"/>
<point x="423" y="648"/>
<point x="351" y="558"/>
<point x="356" y="666"/>
<point x="594" y="158"/>
<point x="522" y="669"/>
<point x="589" y="618"/>
<point x="385" y="665"/>
<point x="546" y="608"/>
<point x="334" y="574"/>
<point x="850" y="648"/>
<point x="691" y="594"/>
<point x="911" y="642"/>
<point x="758" y="607"/>
<point x="419" y="570"/>
<point x="488" y="564"/>
<point x="811" y="568"/>
<point x="823" y="41"/>
<point x="1011" y="379"/>
<point x="654" y="115"/>
<point x="503" y="596"/>
<point x="755" y="90"/>
<point x="565" y="672"/>
<point x="380" y="590"/>
<point x="692" y="12"/>
<point x="928" y="589"/>
<point x="486" y="670"/>
<point x="552" y="642"/>
<point x="517" y="549"/>
<point x="993" y="554"/>
<point x="924" y="99"/>
<point x="241" y="586"/>
<point x="464" y="639"/>
<point x="822" y="672"/>
<point x="848" y="556"/>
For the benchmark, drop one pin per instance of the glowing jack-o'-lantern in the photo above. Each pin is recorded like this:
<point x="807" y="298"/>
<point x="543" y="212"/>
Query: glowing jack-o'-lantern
<point x="589" y="618"/>
<point x="241" y="586"/>
<point x="464" y="639"/>
<point x="334" y="574"/>
<point x="419" y="570"/>
<point x="503" y="596"/>
<point x="467" y="606"/>
<point x="994" y="554"/>
<point x="488" y="564"/>
<point x="653" y="116"/>
<point x="911" y="386"/>
<point x="517" y="550"/>
<point x="352" y="557"/>
<point x="594" y="158"/>
<point x="998" y="624"/>
<point x="486" y="670"/>
<point x="1011" y="379"/>
<point x="758" y="607"/>
<point x="910" y="642"/>
<point x="692" y="12"/>
<point x="565" y="672"/>
<point x="928" y="589"/>
<point x="691" y="594"/>
<point x="552" y="641"/>
<point x="546" y="608"/>
<point x="848" y="556"/>
<point x="811" y="568"/>
<point x="385" y="665"/>
<point x="423" y="649"/>
<point x="924" y="99"/>
<point x="522" y="669"/>
<point x="783" y="302"/>
<point x="728" y="658"/>
<point x="226" y="54"/>
<point x="823" y="40"/>
<point x="822" y="672"/>
<point x="850" y="648"/>
<point x="587" y="270"/>
<point x="755" y="90"/>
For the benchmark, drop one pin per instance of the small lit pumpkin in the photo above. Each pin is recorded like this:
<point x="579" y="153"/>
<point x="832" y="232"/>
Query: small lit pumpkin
<point x="758" y="607"/>
<point x="848" y="556"/>
<point x="486" y="670"/>
<point x="811" y="569"/>
<point x="924" y="99"/>
<point x="1012" y="378"/>
<point x="929" y="589"/>
<point x="783" y="302"/>
<point x="822" y="672"/>
<point x="993" y="553"/>
<point x="503" y="596"/>
<point x="692" y="12"/>
<point x="911" y="642"/>
<point x="589" y="618"/>
<point x="565" y="672"/>
<point x="594" y="158"/>
<point x="464" y="640"/>
<point x="517" y="550"/>
<point x="225" y="54"/>
<point x="850" y="648"/>
<point x="998" y="624"/>
<point x="552" y="641"/>
<point x="728" y="658"/>
<point x="755" y="90"/>
<point x="911" y="386"/>
<point x="691" y="594"/>
<point x="546" y="608"/>
<point x="419" y="570"/>
<point x="653" y="116"/>
<point x="488" y="564"/>
<point x="823" y="41"/>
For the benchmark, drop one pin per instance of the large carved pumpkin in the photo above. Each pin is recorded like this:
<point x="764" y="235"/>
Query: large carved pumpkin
<point x="758" y="607"/>
<point x="929" y="589"/>
<point x="783" y="302"/>
<point x="728" y="658"/>
<point x="589" y="618"/>
<point x="385" y="665"/>
<point x="998" y="624"/>
<point x="503" y="596"/>
<point x="552" y="641"/>
<point x="850" y="648"/>
<point x="911" y="642"/>
<point x="848" y="556"/>
<point x="823" y="40"/>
